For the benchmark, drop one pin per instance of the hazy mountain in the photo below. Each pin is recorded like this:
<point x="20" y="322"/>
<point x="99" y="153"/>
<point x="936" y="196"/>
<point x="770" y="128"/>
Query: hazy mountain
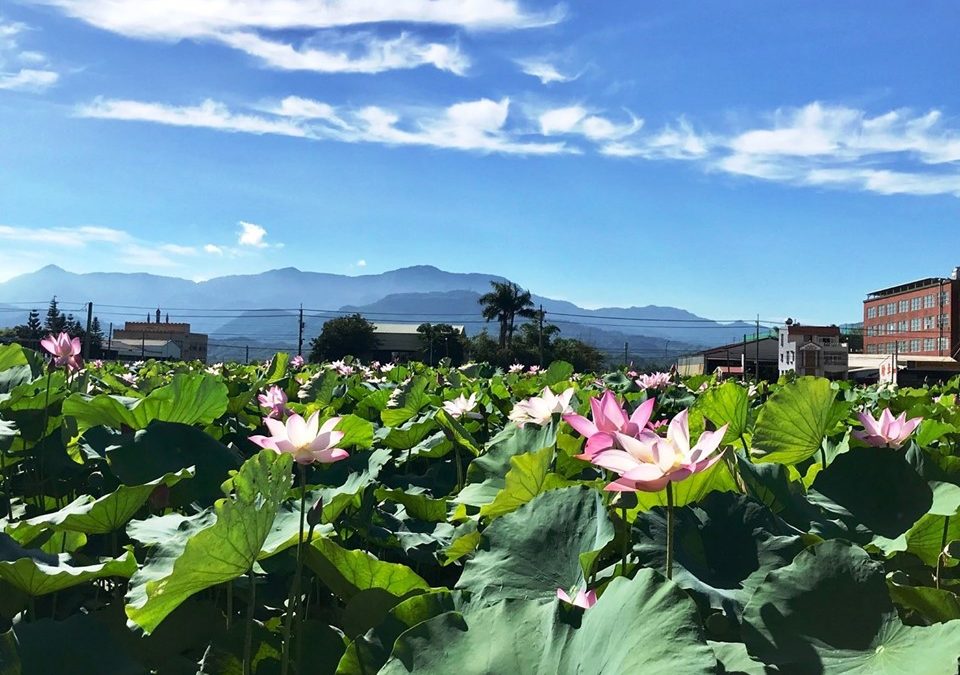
<point x="236" y="310"/>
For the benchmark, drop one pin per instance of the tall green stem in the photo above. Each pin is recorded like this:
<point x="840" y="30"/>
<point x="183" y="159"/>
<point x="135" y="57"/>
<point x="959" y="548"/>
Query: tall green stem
<point x="456" y="459"/>
<point x="626" y="540"/>
<point x="292" y="598"/>
<point x="248" y="637"/>
<point x="943" y="545"/>
<point x="43" y="434"/>
<point x="669" y="530"/>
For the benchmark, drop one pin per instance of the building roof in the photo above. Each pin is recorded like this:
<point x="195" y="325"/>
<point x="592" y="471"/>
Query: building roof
<point x="903" y="288"/>
<point x="824" y="331"/>
<point x="874" y="361"/>
<point x="402" y="328"/>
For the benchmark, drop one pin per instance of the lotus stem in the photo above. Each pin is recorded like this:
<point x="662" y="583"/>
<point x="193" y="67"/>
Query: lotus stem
<point x="823" y="457"/>
<point x="293" y="597"/>
<point x="943" y="545"/>
<point x="626" y="540"/>
<point x="229" y="603"/>
<point x="456" y="459"/>
<point x="746" y="450"/>
<point x="669" y="530"/>
<point x="248" y="637"/>
<point x="43" y="434"/>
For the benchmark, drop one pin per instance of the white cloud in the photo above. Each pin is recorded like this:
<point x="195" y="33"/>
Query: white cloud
<point x="678" y="141"/>
<point x="480" y="125"/>
<point x="213" y="249"/>
<point x="179" y="19"/>
<point x="70" y="237"/>
<point x="578" y="120"/>
<point x="361" y="263"/>
<point x="177" y="249"/>
<point x="252" y="234"/>
<point x="544" y="71"/>
<point x="22" y="70"/>
<point x="209" y="114"/>
<point x="361" y="53"/>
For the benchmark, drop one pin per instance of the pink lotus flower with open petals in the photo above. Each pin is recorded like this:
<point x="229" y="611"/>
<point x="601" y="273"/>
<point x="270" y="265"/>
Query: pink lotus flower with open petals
<point x="276" y="400"/>
<point x="296" y="362"/>
<point x="654" y="381"/>
<point x="64" y="349"/>
<point x="888" y="431"/>
<point x="584" y="599"/>
<point x="306" y="440"/>
<point x="609" y="418"/>
<point x="648" y="463"/>
<point x="517" y="368"/>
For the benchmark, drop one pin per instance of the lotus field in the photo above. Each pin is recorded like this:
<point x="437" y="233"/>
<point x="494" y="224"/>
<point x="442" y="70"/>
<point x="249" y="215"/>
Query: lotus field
<point x="363" y="518"/>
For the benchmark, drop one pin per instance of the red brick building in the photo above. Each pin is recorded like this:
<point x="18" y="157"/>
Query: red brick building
<point x="193" y="346"/>
<point x="918" y="317"/>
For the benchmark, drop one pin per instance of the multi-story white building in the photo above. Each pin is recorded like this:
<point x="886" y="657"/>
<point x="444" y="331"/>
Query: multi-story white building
<point x="812" y="350"/>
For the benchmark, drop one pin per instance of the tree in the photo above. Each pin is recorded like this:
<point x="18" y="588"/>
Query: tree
<point x="585" y="358"/>
<point x="96" y="335"/>
<point x="32" y="330"/>
<point x="505" y="303"/>
<point x="441" y="340"/>
<point x="55" y="321"/>
<point x="352" y="335"/>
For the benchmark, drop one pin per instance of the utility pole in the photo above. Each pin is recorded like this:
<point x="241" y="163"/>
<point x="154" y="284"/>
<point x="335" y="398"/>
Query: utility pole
<point x="246" y="356"/>
<point x="143" y="343"/>
<point x="626" y="348"/>
<point x="86" y="336"/>
<point x="110" y="337"/>
<point x="540" y="336"/>
<point x="300" y="338"/>
<point x="756" y="363"/>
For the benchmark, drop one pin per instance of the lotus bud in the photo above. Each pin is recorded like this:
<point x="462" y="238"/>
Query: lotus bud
<point x="315" y="514"/>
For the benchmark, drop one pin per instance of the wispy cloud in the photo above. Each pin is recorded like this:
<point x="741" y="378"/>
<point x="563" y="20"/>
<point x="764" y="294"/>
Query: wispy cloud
<point x="479" y="126"/>
<point x="544" y="70"/>
<point x="579" y="120"/>
<point x="361" y="263"/>
<point x="359" y="53"/>
<point x="22" y="70"/>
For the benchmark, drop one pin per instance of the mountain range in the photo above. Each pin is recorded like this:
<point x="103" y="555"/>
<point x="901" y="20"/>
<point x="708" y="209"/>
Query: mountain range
<point x="260" y="309"/>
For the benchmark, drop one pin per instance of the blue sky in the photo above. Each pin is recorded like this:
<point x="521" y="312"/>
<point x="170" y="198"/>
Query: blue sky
<point x="731" y="158"/>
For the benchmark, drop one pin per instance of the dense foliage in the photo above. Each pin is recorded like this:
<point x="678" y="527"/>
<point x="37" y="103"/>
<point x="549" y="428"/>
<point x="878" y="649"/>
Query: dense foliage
<point x="142" y="530"/>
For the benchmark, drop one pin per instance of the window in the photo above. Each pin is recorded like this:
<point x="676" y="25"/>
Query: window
<point x="929" y="301"/>
<point x="944" y="298"/>
<point x="929" y="344"/>
<point x="871" y="312"/>
<point x="903" y="346"/>
<point x="870" y="331"/>
<point x="891" y="308"/>
<point x="881" y="310"/>
<point x="943" y="320"/>
<point x="891" y="328"/>
<point x="944" y="344"/>
<point x="914" y="324"/>
<point x="902" y="326"/>
<point x="914" y="304"/>
<point x="915" y="345"/>
<point x="871" y="349"/>
<point x="928" y="322"/>
<point x="833" y="359"/>
<point x="891" y="347"/>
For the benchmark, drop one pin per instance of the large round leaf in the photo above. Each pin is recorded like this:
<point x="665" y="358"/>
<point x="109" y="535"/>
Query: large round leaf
<point x="829" y="612"/>
<point x="645" y="625"/>
<point x="536" y="549"/>
<point x="724" y="547"/>
<point x="222" y="545"/>
<point x="793" y="422"/>
<point x="878" y="488"/>
<point x="727" y="404"/>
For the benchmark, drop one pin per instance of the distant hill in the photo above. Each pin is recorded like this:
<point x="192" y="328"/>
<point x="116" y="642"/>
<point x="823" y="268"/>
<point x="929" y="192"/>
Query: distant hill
<point x="235" y="310"/>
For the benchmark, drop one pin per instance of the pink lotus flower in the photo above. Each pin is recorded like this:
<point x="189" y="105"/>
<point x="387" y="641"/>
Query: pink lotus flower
<point x="517" y="368"/>
<point x="276" y="400"/>
<point x="541" y="409"/>
<point x="533" y="370"/>
<point x="649" y="462"/>
<point x="65" y="351"/>
<point x="654" y="381"/>
<point x="296" y="362"/>
<point x="609" y="419"/>
<point x="584" y="599"/>
<point x="462" y="407"/>
<point x="306" y="440"/>
<point x="888" y="431"/>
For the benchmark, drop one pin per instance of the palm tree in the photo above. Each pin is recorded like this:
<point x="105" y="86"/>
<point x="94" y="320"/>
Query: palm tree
<point x="505" y="303"/>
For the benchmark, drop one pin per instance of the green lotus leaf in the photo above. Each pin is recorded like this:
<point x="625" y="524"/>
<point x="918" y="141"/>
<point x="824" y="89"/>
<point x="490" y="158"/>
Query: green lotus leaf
<point x="457" y="433"/>
<point x="537" y="549"/>
<point x="529" y="476"/>
<point x="221" y="547"/>
<point x="417" y="505"/>
<point x="347" y="572"/>
<point x="830" y="612"/>
<point x="558" y="371"/>
<point x="726" y="404"/>
<point x="645" y="625"/>
<point x="932" y="605"/>
<point x="413" y="398"/>
<point x="794" y="421"/>
<point x="735" y="660"/>
<point x="188" y="399"/>
<point x="511" y="441"/>
<point x="79" y="645"/>
<point x="38" y="573"/>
